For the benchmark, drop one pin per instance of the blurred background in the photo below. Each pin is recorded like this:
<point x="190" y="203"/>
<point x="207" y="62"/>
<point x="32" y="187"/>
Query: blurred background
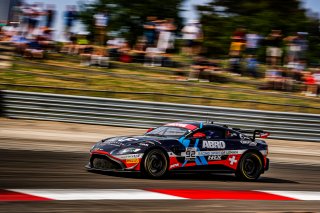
<point x="241" y="57"/>
<point x="261" y="51"/>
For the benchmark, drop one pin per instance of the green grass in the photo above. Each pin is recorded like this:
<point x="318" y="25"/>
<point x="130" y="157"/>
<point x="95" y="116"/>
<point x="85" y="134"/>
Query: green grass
<point x="135" y="80"/>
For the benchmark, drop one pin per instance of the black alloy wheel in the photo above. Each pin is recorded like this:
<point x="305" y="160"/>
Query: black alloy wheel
<point x="155" y="164"/>
<point x="250" y="167"/>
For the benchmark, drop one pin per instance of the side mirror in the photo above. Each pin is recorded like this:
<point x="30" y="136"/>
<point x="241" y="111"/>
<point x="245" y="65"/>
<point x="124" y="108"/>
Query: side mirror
<point x="149" y="130"/>
<point x="264" y="135"/>
<point x="199" y="135"/>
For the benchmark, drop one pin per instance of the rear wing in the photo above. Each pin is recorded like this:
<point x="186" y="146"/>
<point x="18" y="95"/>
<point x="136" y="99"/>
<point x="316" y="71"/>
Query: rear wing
<point x="257" y="133"/>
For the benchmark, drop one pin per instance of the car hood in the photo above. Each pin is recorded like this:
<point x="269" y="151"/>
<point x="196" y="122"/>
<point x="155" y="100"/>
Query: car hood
<point x="122" y="142"/>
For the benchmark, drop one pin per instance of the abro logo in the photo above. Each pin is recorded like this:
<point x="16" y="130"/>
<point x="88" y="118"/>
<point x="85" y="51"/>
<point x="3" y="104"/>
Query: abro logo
<point x="214" y="144"/>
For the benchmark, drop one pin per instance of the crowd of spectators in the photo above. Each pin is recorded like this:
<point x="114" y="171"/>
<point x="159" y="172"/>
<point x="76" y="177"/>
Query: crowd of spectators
<point x="285" y="63"/>
<point x="33" y="35"/>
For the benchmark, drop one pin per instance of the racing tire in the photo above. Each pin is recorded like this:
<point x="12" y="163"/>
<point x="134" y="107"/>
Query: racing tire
<point x="250" y="167"/>
<point x="155" y="164"/>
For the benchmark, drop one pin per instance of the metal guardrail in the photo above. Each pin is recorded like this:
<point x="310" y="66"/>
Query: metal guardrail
<point x="143" y="114"/>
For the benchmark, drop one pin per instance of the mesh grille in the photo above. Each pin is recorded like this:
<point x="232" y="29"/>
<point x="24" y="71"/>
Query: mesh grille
<point x="103" y="162"/>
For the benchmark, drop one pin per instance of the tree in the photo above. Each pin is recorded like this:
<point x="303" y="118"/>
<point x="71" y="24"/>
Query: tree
<point x="127" y="17"/>
<point x="221" y="17"/>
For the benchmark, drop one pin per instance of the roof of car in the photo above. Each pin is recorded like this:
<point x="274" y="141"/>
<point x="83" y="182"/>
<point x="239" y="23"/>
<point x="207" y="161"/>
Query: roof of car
<point x="192" y="125"/>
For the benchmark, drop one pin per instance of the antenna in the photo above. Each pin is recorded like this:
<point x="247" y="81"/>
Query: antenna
<point x="207" y="120"/>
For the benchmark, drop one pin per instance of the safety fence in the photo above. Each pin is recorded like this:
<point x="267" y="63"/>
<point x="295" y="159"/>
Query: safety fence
<point x="143" y="114"/>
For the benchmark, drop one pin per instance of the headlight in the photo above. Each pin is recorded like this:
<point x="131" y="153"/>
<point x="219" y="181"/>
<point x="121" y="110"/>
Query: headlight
<point x="128" y="150"/>
<point x="92" y="148"/>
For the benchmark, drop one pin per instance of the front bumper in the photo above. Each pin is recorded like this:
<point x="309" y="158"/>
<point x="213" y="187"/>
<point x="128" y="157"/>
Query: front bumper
<point x="104" y="163"/>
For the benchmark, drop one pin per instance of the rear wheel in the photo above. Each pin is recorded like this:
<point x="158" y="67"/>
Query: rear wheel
<point x="155" y="164"/>
<point x="250" y="167"/>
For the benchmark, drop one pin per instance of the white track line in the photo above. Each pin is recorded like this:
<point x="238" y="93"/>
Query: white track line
<point x="299" y="195"/>
<point x="97" y="194"/>
<point x="139" y="194"/>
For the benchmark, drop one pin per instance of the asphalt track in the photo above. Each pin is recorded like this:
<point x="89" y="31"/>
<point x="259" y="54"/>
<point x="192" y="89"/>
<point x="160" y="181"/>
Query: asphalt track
<point x="56" y="169"/>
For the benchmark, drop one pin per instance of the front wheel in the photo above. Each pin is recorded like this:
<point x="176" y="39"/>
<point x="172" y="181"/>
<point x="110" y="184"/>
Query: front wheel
<point x="155" y="164"/>
<point x="250" y="167"/>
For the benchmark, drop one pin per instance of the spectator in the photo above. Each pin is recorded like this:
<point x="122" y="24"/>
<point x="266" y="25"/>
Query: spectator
<point x="303" y="44"/>
<point x="34" y="12"/>
<point x="24" y="19"/>
<point x="316" y="76"/>
<point x="252" y="65"/>
<point x="125" y="54"/>
<point x="101" y="22"/>
<point x="191" y="33"/>
<point x="201" y="69"/>
<point x="69" y="17"/>
<point x="165" y="40"/>
<point x="252" y="43"/>
<point x="150" y="31"/>
<point x="50" y="15"/>
<point x="239" y="34"/>
<point x="34" y="48"/>
<point x="20" y="43"/>
<point x="311" y="84"/>
<point x="153" y="57"/>
<point x="274" y="51"/>
<point x="237" y="47"/>
<point x="274" y="78"/>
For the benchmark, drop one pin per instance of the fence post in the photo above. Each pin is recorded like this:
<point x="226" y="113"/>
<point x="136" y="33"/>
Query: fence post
<point x="1" y="104"/>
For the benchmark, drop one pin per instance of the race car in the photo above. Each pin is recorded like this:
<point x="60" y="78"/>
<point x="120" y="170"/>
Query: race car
<point x="184" y="146"/>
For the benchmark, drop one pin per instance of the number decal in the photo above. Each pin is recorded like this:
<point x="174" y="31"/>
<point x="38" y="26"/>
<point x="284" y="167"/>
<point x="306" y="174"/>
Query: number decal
<point x="190" y="153"/>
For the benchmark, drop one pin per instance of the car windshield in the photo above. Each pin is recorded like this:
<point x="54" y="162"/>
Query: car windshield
<point x="168" y="131"/>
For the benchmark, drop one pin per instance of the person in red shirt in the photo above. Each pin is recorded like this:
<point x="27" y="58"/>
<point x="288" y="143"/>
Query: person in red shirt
<point x="311" y="85"/>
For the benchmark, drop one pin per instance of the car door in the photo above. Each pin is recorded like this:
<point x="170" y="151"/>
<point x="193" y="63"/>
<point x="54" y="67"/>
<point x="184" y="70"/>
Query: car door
<point x="207" y="148"/>
<point x="214" y="145"/>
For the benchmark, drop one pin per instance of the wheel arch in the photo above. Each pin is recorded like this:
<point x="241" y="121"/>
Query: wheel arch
<point x="152" y="148"/>
<point x="256" y="152"/>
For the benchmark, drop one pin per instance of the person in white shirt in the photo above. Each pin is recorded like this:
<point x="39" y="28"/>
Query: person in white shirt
<point x="191" y="33"/>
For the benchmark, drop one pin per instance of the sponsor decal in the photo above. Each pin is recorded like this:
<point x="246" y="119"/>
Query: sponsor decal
<point x="214" y="157"/>
<point x="230" y="152"/>
<point x="234" y="134"/>
<point x="174" y="165"/>
<point x="245" y="139"/>
<point x="130" y="156"/>
<point x="253" y="144"/>
<point x="222" y="152"/>
<point x="115" y="143"/>
<point x="112" y="141"/>
<point x="209" y="153"/>
<point x="128" y="139"/>
<point x="133" y="160"/>
<point x="233" y="160"/>
<point x="248" y="142"/>
<point x="214" y="144"/>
